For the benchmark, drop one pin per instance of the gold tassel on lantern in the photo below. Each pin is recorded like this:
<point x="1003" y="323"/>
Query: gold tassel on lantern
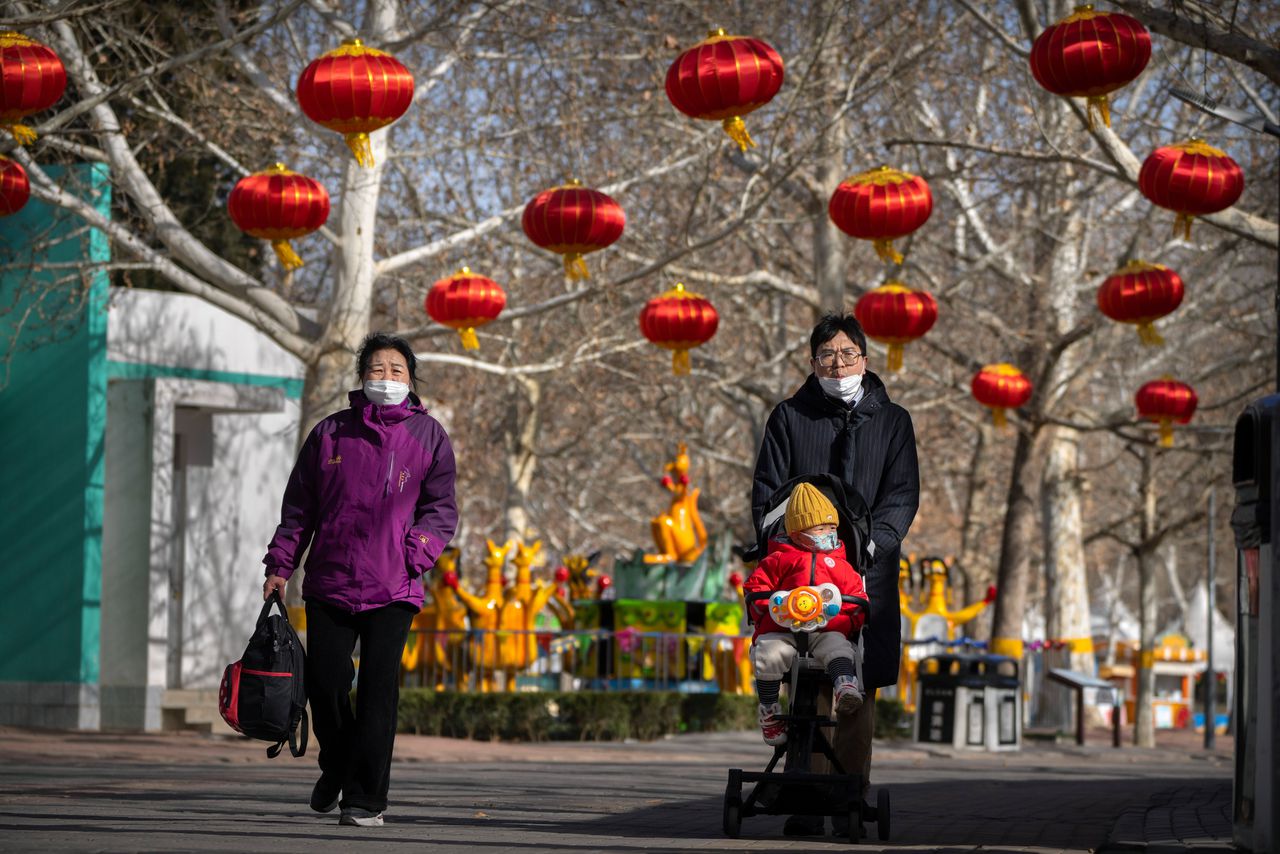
<point x="884" y="248"/>
<point x="1148" y="335"/>
<point x="288" y="258"/>
<point x="999" y="418"/>
<point x="1166" y="433"/>
<point x="893" y="362"/>
<point x="1183" y="224"/>
<point x="21" y="133"/>
<point x="736" y="128"/>
<point x="360" y="147"/>
<point x="575" y="267"/>
<point x="1100" y="105"/>
<point x="469" y="339"/>
<point x="681" y="364"/>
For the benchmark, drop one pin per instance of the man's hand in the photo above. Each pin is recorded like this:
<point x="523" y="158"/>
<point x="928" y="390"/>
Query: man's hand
<point x="271" y="585"/>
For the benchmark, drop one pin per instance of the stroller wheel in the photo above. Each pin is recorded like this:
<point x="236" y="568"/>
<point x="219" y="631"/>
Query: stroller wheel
<point x="732" y="816"/>
<point x="882" y="814"/>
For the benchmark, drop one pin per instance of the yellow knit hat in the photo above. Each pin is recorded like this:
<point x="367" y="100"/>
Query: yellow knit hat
<point x="808" y="507"/>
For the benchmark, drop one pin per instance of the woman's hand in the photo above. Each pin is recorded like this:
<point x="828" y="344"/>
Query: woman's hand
<point x="271" y="585"/>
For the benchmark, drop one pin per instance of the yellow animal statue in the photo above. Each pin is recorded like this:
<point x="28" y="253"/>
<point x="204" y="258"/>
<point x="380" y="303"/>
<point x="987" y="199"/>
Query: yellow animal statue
<point x="678" y="533"/>
<point x="729" y="661"/>
<point x="524" y="600"/>
<point x="934" y="619"/>
<point x="437" y="633"/>
<point x="575" y="580"/>
<point x="484" y="611"/>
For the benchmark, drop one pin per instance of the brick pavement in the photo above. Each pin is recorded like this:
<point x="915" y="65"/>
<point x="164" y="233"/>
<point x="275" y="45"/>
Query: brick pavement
<point x="181" y="792"/>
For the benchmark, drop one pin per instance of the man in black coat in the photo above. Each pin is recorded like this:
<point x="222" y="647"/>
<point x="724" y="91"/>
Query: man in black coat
<point x="842" y="422"/>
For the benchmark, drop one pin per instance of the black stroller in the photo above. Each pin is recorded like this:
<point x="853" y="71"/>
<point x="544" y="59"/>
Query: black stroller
<point x="796" y="790"/>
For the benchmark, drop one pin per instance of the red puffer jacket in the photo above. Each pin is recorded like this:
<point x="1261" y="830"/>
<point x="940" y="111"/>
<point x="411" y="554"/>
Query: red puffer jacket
<point x="788" y="566"/>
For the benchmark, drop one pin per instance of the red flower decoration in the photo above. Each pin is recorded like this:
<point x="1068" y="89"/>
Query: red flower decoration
<point x="895" y="315"/>
<point x="679" y="321"/>
<point x="1141" y="293"/>
<point x="1166" y="401"/>
<point x="1090" y="54"/>
<point x="279" y="205"/>
<point x="32" y="79"/>
<point x="464" y="301"/>
<point x="1192" y="179"/>
<point x="1001" y="387"/>
<point x="723" y="78"/>
<point x="572" y="220"/>
<point x="881" y="205"/>
<point x="355" y="90"/>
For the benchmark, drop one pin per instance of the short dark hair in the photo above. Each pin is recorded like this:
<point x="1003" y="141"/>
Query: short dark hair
<point x="386" y="341"/>
<point x="832" y="325"/>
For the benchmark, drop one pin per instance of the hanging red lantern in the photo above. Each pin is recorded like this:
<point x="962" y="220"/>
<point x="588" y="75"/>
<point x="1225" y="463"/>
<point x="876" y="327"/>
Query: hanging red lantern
<point x="572" y="220"/>
<point x="1090" y="54"/>
<point x="279" y="205"/>
<point x="896" y="315"/>
<point x="355" y="90"/>
<point x="1192" y="179"/>
<point x="723" y="78"/>
<point x="15" y="189"/>
<point x="1001" y="387"/>
<point x="1141" y="293"/>
<point x="464" y="301"/>
<point x="31" y="79"/>
<point x="679" y="321"/>
<point x="1165" y="401"/>
<point x="881" y="205"/>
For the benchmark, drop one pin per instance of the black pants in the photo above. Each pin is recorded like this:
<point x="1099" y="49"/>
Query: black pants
<point x="355" y="748"/>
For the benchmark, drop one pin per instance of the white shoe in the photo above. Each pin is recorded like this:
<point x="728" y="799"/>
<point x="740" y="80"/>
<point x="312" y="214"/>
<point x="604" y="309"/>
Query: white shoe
<point x="356" y="817"/>
<point x="847" y="697"/>
<point x="773" y="730"/>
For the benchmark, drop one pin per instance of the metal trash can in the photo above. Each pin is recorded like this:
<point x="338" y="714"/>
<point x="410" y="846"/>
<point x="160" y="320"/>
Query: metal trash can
<point x="1002" y="696"/>
<point x="950" y="705"/>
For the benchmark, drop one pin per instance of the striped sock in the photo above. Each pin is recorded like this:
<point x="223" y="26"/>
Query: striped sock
<point x="840" y="667"/>
<point x="767" y="691"/>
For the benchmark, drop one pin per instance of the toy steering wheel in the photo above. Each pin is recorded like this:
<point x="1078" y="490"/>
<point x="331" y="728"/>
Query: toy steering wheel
<point x="805" y="609"/>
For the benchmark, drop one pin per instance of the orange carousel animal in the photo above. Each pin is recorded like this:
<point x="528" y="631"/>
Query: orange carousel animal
<point x="679" y="533"/>
<point x="575" y="580"/>
<point x="524" y="600"/>
<point x="484" y="611"/>
<point x="437" y="633"/>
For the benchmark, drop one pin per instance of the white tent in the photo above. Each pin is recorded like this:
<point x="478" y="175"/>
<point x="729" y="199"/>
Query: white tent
<point x="1195" y="627"/>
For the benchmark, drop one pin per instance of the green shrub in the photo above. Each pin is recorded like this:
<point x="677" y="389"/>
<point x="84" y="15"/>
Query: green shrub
<point x="892" y="719"/>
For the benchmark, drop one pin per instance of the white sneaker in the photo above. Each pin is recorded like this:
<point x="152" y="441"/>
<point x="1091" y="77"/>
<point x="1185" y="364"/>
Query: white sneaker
<point x="847" y="697"/>
<point x="773" y="730"/>
<point x="356" y="817"/>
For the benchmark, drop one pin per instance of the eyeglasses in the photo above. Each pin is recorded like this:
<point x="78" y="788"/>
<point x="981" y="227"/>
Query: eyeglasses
<point x="827" y="358"/>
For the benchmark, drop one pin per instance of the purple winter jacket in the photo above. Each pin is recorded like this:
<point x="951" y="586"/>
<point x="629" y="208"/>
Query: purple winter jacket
<point x="372" y="493"/>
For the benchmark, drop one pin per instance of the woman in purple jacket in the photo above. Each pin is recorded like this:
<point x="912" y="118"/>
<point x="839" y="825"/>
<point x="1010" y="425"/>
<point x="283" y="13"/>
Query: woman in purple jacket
<point x="372" y="495"/>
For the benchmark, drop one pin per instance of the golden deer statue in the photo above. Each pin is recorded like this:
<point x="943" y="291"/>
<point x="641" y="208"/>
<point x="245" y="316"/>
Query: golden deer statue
<point x="524" y="601"/>
<point x="484" y="611"/>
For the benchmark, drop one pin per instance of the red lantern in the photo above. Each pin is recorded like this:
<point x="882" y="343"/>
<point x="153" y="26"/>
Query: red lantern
<point x="355" y="90"/>
<point x="679" y="321"/>
<point x="572" y="220"/>
<point x="881" y="205"/>
<point x="279" y="205"/>
<point x="464" y="301"/>
<point x="1141" y="293"/>
<point x="1090" y="54"/>
<point x="1165" y="401"/>
<point x="896" y="315"/>
<point x="31" y="79"/>
<point x="1192" y="179"/>
<point x="723" y="78"/>
<point x="15" y="189"/>
<point x="1001" y="387"/>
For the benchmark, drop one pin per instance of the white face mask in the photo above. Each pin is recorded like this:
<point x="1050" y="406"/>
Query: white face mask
<point x="845" y="388"/>
<point x="385" y="392"/>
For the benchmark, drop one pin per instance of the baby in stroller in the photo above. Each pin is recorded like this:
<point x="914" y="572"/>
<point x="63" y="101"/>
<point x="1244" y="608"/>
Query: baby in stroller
<point x="810" y="554"/>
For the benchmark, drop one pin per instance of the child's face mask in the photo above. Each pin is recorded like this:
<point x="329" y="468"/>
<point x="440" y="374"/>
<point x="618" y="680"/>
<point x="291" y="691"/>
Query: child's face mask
<point x="823" y="542"/>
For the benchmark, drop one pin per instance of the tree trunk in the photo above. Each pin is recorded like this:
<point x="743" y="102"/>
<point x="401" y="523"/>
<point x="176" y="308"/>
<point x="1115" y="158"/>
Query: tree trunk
<point x="522" y="460"/>
<point x="976" y="556"/>
<point x="1015" y="551"/>
<point x="830" y="244"/>
<point x="1144" y="730"/>
<point x="1068" y="592"/>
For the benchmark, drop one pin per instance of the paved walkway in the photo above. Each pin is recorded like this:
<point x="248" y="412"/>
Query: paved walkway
<point x="184" y="792"/>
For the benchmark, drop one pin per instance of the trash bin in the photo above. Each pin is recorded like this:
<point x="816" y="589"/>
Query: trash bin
<point x="951" y="704"/>
<point x="1003" y="703"/>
